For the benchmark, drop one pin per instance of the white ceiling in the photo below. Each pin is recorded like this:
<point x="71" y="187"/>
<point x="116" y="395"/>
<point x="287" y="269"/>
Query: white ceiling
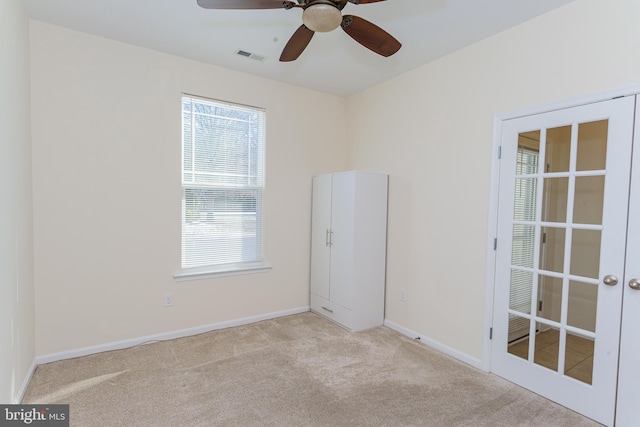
<point x="332" y="62"/>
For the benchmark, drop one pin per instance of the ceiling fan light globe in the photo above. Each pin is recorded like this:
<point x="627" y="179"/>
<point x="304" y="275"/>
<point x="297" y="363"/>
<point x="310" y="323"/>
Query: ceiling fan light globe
<point x="322" y="18"/>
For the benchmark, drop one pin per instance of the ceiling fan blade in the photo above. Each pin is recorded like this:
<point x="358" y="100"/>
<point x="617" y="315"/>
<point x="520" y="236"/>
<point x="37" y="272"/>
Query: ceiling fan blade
<point x="243" y="4"/>
<point x="296" y="44"/>
<point x="370" y="35"/>
<point x="364" y="1"/>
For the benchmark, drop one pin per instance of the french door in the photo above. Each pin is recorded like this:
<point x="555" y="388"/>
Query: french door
<point x="563" y="264"/>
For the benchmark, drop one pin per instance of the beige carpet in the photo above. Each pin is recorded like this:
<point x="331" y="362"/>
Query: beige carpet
<point x="293" y="371"/>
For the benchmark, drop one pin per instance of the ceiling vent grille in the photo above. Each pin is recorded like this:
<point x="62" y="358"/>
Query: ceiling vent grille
<point x="250" y="55"/>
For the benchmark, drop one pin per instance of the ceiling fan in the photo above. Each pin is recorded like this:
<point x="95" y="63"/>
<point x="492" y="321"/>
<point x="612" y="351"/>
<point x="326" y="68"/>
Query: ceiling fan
<point x="319" y="16"/>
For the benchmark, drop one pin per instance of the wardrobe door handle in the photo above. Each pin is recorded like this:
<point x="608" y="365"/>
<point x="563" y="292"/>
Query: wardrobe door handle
<point x="325" y="308"/>
<point x="634" y="284"/>
<point x="328" y="238"/>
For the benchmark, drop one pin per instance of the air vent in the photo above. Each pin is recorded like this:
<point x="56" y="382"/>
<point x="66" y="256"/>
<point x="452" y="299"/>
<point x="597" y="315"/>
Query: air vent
<point x="250" y="55"/>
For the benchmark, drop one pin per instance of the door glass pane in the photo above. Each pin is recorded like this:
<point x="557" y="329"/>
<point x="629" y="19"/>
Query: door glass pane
<point x="520" y="291"/>
<point x="525" y="199"/>
<point x="588" y="201"/>
<point x="546" y="349"/>
<point x="585" y="253"/>
<point x="592" y="145"/>
<point x="522" y="250"/>
<point x="554" y="199"/>
<point x="583" y="298"/>
<point x="558" y="149"/>
<point x="528" y="149"/>
<point x="550" y="298"/>
<point x="552" y="243"/>
<point x="578" y="362"/>
<point x="518" y="336"/>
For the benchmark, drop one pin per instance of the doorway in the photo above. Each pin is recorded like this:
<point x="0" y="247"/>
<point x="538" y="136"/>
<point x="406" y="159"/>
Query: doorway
<point x="563" y="223"/>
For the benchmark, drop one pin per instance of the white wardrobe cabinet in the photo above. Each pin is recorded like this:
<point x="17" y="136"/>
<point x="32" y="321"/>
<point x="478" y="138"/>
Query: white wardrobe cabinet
<point x="348" y="248"/>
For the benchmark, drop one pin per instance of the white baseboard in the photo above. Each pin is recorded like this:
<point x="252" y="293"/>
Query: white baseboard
<point x="456" y="354"/>
<point x="25" y="383"/>
<point x="118" y="345"/>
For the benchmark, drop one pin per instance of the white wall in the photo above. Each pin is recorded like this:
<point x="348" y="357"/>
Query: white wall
<point x="17" y="340"/>
<point x="106" y="173"/>
<point x="432" y="130"/>
<point x="106" y="160"/>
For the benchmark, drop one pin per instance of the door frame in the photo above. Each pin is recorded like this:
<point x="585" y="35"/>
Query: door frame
<point x="492" y="228"/>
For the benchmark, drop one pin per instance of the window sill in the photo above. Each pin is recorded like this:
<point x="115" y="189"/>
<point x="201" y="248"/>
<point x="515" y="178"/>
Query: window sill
<point x="227" y="270"/>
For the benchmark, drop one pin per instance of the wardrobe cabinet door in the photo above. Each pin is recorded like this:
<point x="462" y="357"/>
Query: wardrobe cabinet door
<point x="320" y="236"/>
<point x="342" y="248"/>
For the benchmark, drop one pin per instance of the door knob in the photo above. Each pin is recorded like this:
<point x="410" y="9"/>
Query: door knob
<point x="610" y="280"/>
<point x="634" y="284"/>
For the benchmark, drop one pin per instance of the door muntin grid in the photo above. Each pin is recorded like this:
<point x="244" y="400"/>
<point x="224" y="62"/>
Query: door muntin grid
<point x="557" y="227"/>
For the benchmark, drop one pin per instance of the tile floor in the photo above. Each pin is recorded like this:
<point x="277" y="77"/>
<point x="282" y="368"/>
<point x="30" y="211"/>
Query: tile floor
<point x="578" y="356"/>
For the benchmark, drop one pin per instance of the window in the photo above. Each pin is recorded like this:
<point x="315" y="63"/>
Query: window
<point x="222" y="186"/>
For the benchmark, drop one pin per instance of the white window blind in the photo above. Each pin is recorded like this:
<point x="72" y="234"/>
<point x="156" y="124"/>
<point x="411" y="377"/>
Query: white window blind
<point x="523" y="244"/>
<point x="223" y="182"/>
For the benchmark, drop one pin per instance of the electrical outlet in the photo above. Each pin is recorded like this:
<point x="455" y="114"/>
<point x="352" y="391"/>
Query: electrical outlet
<point x="403" y="295"/>
<point x="168" y="299"/>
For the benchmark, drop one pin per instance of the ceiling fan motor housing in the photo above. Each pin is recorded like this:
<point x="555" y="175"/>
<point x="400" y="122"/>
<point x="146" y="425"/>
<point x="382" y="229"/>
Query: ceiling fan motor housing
<point x="322" y="16"/>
